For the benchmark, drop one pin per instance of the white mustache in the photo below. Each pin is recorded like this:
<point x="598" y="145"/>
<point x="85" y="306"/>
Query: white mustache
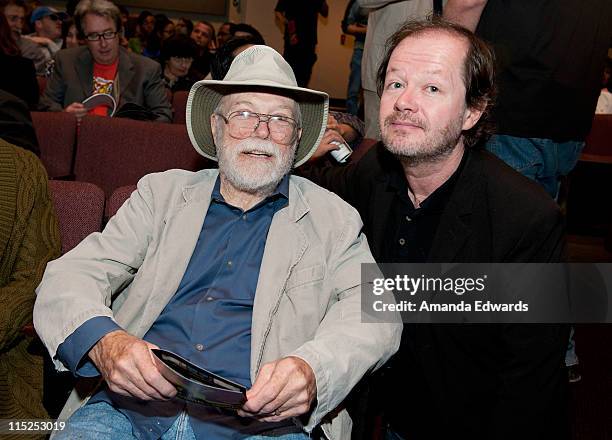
<point x="261" y="146"/>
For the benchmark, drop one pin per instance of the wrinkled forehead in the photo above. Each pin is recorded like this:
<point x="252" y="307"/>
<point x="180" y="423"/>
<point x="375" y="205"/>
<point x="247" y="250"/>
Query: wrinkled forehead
<point x="260" y="102"/>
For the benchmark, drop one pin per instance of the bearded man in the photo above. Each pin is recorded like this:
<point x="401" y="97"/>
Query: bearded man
<point x="427" y="193"/>
<point x="246" y="271"/>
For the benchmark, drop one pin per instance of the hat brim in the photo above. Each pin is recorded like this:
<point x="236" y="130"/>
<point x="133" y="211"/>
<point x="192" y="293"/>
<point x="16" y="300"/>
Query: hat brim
<point x="205" y="95"/>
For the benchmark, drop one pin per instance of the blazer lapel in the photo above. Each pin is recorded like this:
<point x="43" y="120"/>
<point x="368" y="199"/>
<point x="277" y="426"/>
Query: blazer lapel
<point x="125" y="74"/>
<point x="455" y="224"/>
<point x="181" y="232"/>
<point x="84" y="71"/>
<point x="285" y="246"/>
<point x="383" y="200"/>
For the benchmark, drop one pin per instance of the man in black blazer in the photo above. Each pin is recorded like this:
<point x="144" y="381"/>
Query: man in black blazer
<point x="427" y="194"/>
<point x="104" y="67"/>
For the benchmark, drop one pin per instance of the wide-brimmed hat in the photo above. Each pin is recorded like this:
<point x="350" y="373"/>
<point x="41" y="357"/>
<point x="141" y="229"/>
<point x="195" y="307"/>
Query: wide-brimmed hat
<point x="257" y="69"/>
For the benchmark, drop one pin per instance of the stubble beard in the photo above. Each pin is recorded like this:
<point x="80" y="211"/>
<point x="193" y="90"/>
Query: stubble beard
<point x="435" y="147"/>
<point x="251" y="175"/>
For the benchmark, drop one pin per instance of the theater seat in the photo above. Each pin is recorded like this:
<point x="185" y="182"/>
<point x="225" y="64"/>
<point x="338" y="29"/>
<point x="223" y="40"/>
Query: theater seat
<point x="119" y="196"/>
<point x="179" y="107"/>
<point x="56" y="133"/>
<point x="113" y="152"/>
<point x="79" y="207"/>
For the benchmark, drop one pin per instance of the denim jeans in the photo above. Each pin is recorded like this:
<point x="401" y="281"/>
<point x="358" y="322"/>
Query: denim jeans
<point x="354" y="83"/>
<point x="100" y="421"/>
<point x="542" y="160"/>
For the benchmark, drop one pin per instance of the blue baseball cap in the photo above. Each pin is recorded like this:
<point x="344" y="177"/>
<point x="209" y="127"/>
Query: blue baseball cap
<point x="45" y="11"/>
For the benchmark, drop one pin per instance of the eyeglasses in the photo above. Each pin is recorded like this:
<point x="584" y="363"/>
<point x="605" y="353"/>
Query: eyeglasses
<point x="53" y="17"/>
<point x="242" y="124"/>
<point x="96" y="36"/>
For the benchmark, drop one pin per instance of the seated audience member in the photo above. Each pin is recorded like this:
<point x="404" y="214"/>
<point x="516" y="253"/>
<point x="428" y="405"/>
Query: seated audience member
<point x="223" y="57"/>
<point x="247" y="271"/>
<point x="70" y="35"/>
<point x="16" y="125"/>
<point x="164" y="29"/>
<point x="103" y="67"/>
<point x="604" y="103"/>
<point x="428" y="194"/>
<point x="29" y="238"/>
<point x="47" y="25"/>
<point x="243" y="30"/>
<point x="183" y="26"/>
<point x="144" y="28"/>
<point x="177" y="54"/>
<point x="204" y="36"/>
<point x="17" y="75"/>
<point x="224" y="33"/>
<point x="15" y="12"/>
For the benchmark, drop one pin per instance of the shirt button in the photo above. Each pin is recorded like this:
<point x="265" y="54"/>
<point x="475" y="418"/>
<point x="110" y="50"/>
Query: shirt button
<point x="199" y="347"/>
<point x="408" y="219"/>
<point x="209" y="298"/>
<point x="229" y="263"/>
<point x="402" y="241"/>
<point x="244" y="217"/>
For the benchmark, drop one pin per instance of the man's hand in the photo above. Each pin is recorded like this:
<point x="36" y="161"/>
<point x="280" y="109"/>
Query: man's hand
<point x="326" y="146"/>
<point x="127" y="366"/>
<point x="284" y="388"/>
<point x="77" y="109"/>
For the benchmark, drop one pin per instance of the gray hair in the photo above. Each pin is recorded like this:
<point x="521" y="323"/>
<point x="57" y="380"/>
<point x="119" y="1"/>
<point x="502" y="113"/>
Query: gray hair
<point x="102" y="8"/>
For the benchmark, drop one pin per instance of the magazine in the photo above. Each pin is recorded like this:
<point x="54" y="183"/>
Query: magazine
<point x="197" y="385"/>
<point x="99" y="99"/>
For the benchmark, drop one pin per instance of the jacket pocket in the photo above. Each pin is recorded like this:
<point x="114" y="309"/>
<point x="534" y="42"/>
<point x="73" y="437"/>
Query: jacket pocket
<point x="304" y="276"/>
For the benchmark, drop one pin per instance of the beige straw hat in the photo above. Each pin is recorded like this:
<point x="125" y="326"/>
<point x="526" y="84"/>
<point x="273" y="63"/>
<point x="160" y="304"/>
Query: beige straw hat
<point x="259" y="68"/>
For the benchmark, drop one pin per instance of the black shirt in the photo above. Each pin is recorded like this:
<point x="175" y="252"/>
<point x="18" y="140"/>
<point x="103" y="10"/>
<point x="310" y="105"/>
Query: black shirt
<point x="302" y="16"/>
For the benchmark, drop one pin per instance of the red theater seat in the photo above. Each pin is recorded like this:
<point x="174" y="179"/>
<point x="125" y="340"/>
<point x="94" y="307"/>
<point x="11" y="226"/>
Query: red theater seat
<point x="56" y="133"/>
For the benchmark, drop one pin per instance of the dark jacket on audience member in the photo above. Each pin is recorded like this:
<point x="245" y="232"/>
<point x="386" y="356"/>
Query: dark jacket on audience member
<point x="469" y="381"/>
<point x="139" y="82"/>
<point x="18" y="77"/>
<point x="16" y="125"/>
<point x="29" y="238"/>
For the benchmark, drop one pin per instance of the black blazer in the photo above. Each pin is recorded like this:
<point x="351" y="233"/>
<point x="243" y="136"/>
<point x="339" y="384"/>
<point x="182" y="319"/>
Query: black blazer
<point x="470" y="381"/>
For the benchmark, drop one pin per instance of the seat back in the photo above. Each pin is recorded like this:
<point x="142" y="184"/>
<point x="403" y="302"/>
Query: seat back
<point x="114" y="152"/>
<point x="598" y="146"/>
<point x="56" y="133"/>
<point x="79" y="207"/>
<point x="116" y="200"/>
<point x="179" y="107"/>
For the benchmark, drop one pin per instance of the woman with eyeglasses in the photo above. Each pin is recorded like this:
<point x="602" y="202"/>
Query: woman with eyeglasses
<point x="177" y="54"/>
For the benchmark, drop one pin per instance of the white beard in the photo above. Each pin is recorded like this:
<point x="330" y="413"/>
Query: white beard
<point x="252" y="175"/>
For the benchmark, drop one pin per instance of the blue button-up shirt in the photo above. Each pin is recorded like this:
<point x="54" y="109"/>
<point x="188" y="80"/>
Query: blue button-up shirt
<point x="207" y="321"/>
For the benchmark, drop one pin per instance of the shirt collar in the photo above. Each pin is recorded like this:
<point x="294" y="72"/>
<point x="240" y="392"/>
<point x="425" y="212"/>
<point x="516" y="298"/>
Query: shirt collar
<point x="282" y="190"/>
<point x="437" y="200"/>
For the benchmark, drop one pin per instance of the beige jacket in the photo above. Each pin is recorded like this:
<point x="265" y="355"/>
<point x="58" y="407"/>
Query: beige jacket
<point x="307" y="301"/>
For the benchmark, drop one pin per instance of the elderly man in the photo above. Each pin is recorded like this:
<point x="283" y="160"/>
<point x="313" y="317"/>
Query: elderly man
<point x="245" y="271"/>
<point x="15" y="11"/>
<point x="426" y="194"/>
<point x="102" y="66"/>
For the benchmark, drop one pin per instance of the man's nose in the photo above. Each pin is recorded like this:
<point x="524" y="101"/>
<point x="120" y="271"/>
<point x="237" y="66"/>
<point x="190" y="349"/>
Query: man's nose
<point x="407" y="101"/>
<point x="262" y="131"/>
<point x="103" y="42"/>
